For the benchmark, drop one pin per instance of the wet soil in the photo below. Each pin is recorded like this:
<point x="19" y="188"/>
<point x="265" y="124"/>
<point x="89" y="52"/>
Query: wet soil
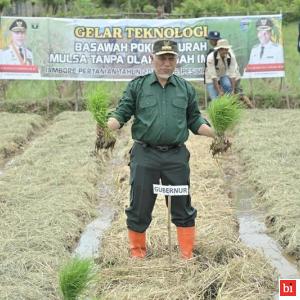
<point x="252" y="229"/>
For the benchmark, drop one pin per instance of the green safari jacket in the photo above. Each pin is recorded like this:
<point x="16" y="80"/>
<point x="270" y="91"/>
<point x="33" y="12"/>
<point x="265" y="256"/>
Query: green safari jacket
<point x="162" y="115"/>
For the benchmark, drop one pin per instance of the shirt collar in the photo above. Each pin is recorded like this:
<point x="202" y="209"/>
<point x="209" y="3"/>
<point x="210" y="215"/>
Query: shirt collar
<point x="153" y="79"/>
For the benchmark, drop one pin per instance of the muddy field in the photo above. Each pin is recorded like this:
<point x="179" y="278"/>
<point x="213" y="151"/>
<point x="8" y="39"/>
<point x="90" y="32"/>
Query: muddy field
<point x="52" y="188"/>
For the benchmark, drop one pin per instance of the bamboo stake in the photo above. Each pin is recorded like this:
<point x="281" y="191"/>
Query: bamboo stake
<point x="169" y="228"/>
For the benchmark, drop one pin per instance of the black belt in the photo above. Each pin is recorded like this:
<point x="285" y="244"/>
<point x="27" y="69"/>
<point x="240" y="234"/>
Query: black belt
<point x="162" y="148"/>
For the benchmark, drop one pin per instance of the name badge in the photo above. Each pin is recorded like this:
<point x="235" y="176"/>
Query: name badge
<point x="170" y="190"/>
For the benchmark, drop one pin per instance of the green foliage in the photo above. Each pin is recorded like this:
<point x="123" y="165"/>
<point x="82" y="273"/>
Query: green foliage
<point x="97" y="104"/>
<point x="189" y="7"/>
<point x="75" y="277"/>
<point x="229" y="7"/>
<point x="4" y="3"/>
<point x="82" y="7"/>
<point x="296" y="5"/>
<point x="89" y="8"/>
<point x="196" y="9"/>
<point x="52" y="5"/>
<point x="149" y="9"/>
<point x="224" y="113"/>
<point x="125" y="6"/>
<point x="216" y="6"/>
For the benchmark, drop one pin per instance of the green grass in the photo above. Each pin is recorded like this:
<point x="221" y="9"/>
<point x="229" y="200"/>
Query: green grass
<point x="292" y="58"/>
<point x="19" y="91"/>
<point x="75" y="277"/>
<point x="30" y="90"/>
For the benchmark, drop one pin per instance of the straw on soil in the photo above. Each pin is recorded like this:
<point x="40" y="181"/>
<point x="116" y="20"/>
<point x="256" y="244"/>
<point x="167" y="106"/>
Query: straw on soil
<point x="16" y="130"/>
<point x="268" y="143"/>
<point x="222" y="269"/>
<point x="47" y="196"/>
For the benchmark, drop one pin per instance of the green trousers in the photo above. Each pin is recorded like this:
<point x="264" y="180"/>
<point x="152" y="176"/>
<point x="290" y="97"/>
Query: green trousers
<point x="147" y="166"/>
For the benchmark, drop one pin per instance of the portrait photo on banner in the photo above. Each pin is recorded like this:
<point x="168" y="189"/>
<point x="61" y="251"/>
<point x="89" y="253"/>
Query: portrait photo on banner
<point x="16" y="55"/>
<point x="266" y="58"/>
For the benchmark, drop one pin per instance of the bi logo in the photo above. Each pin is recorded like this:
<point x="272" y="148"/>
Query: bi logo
<point x="287" y="287"/>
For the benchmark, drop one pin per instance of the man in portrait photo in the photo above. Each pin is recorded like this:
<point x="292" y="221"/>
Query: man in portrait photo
<point x="17" y="53"/>
<point x="266" y="51"/>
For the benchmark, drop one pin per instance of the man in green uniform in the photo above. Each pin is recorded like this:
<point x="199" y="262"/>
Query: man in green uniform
<point x="165" y="108"/>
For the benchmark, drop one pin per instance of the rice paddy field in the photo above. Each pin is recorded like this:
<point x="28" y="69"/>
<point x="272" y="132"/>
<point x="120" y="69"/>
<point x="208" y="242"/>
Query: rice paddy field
<point x="268" y="144"/>
<point x="51" y="184"/>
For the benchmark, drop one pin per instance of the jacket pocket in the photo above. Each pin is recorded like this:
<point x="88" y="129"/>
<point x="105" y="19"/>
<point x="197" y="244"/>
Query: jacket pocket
<point x="147" y="101"/>
<point x="147" y="109"/>
<point x="179" y="105"/>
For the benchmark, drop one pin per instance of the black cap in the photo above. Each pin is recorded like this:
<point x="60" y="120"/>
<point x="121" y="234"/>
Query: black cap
<point x="18" y="25"/>
<point x="165" y="46"/>
<point x="264" y="24"/>
<point x="213" y="35"/>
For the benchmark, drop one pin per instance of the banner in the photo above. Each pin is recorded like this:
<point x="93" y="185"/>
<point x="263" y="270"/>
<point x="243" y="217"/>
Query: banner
<point x="115" y="50"/>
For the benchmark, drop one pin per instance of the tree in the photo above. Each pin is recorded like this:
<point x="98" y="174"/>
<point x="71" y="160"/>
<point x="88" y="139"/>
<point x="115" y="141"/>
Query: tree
<point x="3" y="4"/>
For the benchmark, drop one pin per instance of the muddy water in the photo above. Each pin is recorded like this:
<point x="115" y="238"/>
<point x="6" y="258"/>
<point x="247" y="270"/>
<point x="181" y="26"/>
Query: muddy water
<point x="252" y="232"/>
<point x="90" y="240"/>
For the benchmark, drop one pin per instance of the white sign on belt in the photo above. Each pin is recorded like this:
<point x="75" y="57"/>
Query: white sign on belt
<point x="171" y="190"/>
